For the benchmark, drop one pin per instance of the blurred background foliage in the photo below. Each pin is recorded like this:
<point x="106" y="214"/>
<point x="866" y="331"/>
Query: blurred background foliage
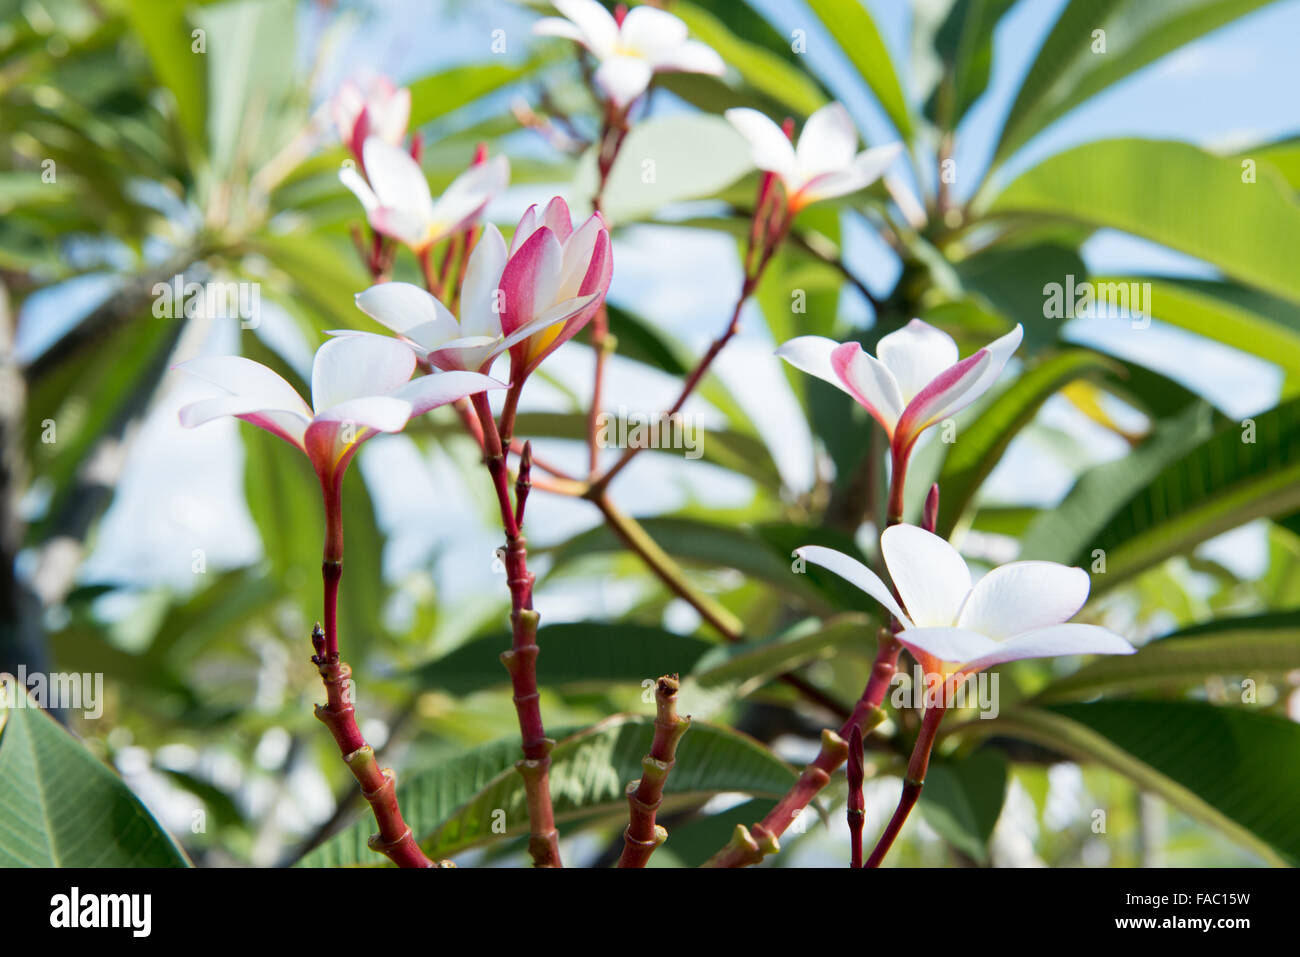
<point x="189" y="138"/>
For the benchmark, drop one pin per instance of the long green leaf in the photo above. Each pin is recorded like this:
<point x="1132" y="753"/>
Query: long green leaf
<point x="1253" y="646"/>
<point x="1197" y="204"/>
<point x="964" y="43"/>
<point x="855" y="31"/>
<point x="61" y="807"/>
<point x="963" y="798"/>
<point x="1235" y="769"/>
<point x="1070" y="68"/>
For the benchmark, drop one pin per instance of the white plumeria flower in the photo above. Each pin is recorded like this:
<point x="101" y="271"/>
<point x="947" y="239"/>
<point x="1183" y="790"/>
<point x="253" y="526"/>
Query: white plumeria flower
<point x="648" y="41"/>
<point x="1016" y="611"/>
<point x="916" y="381"/>
<point x="397" y="198"/>
<point x="360" y="386"/>
<point x="824" y="164"/>
<point x="384" y="111"/>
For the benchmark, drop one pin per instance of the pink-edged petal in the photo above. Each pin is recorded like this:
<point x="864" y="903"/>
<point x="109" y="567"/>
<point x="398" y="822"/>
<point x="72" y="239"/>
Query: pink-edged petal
<point x="530" y="279"/>
<point x="397" y="179"/>
<point x="957" y="645"/>
<point x="1051" y="642"/>
<point x="410" y="311"/>
<point x="557" y="218"/>
<point x="355" y="367"/>
<point x="916" y="355"/>
<point x="430" y="391"/>
<point x="827" y="143"/>
<point x="1000" y="351"/>
<point x="478" y="294"/>
<point x="562" y="311"/>
<point x="649" y="31"/>
<point x="288" y="425"/>
<point x="930" y="575"/>
<point x="467" y="195"/>
<point x="855" y="573"/>
<point x="623" y="78"/>
<point x="598" y="27"/>
<point x="689" y="57"/>
<point x="769" y="148"/>
<point x="862" y="172"/>
<point x="578" y="252"/>
<point x="869" y="381"/>
<point x="528" y="224"/>
<point x="944" y="396"/>
<point x="1024" y="596"/>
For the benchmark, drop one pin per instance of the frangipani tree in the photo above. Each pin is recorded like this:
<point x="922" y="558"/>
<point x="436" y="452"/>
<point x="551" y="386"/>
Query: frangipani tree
<point x="253" y="176"/>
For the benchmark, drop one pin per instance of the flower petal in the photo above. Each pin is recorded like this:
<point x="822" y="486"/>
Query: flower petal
<point x="1023" y="596"/>
<point x="689" y="57"/>
<point x="957" y="645"/>
<point x="827" y="143"/>
<point x="855" y="573"/>
<point x="409" y="311"/>
<point x="557" y="218"/>
<point x="559" y="27"/>
<point x="769" y="147"/>
<point x="397" y="179"/>
<point x="430" y="391"/>
<point x="598" y="27"/>
<point x="623" y="78"/>
<point x="530" y="279"/>
<point x="941" y="398"/>
<point x="353" y="180"/>
<point x="355" y="367"/>
<point x="244" y="377"/>
<point x="468" y="194"/>
<point x="288" y="425"/>
<point x="1069" y="639"/>
<point x="649" y="31"/>
<point x="868" y="380"/>
<point x="1000" y="351"/>
<point x="916" y="355"/>
<point x="478" y="293"/>
<point x="930" y="575"/>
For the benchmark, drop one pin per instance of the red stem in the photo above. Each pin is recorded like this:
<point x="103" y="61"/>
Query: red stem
<point x="912" y="784"/>
<point x="857" y="806"/>
<point x="643" y="835"/>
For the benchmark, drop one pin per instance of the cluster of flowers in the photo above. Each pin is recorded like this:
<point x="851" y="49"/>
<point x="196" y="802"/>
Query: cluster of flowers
<point x="529" y="297"/>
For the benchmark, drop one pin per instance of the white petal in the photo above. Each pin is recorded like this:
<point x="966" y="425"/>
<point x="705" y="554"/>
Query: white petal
<point x="649" y="31"/>
<point x="1053" y="641"/>
<point x="353" y="180"/>
<point x="865" y="169"/>
<point x="409" y="311"/>
<point x="623" y="78"/>
<point x="559" y="27"/>
<point x="595" y="22"/>
<point x="827" y="143"/>
<point x="855" y="573"/>
<point x="468" y="193"/>
<point x="244" y="377"/>
<point x="769" y="147"/>
<point x="392" y="116"/>
<point x="812" y="354"/>
<point x="578" y="249"/>
<point x="430" y="391"/>
<point x="397" y="179"/>
<point x="354" y="367"/>
<point x="931" y="577"/>
<point x="1000" y="351"/>
<point x="382" y="413"/>
<point x="957" y="645"/>
<point x="916" y="354"/>
<point x="1023" y="596"/>
<point x="478" y="293"/>
<point x="289" y="425"/>
<point x="689" y="57"/>
<point x="869" y="381"/>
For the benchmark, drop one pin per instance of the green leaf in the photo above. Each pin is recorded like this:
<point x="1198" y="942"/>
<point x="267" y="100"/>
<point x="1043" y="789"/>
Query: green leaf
<point x="61" y="807"/>
<point x="165" y="31"/>
<point x="1235" y="769"/>
<point x="1068" y="70"/>
<point x="750" y="665"/>
<point x="964" y="43"/>
<point x="1067" y="532"/>
<point x="576" y="653"/>
<point x="667" y="159"/>
<point x="1252" y="646"/>
<point x="1283" y="155"/>
<point x="855" y="31"/>
<point x="963" y="798"/>
<point x="980" y="445"/>
<point x="440" y="93"/>
<point x="1198" y="205"/>
<point x="1242" y="472"/>
<point x="762" y="69"/>
<point x="452" y="807"/>
<point x="638" y="340"/>
<point x="590" y="770"/>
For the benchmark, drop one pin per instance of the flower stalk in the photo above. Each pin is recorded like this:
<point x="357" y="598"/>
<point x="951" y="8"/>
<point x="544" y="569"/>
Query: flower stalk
<point x="857" y="806"/>
<point x="642" y="835"/>
<point x="912" y="784"/>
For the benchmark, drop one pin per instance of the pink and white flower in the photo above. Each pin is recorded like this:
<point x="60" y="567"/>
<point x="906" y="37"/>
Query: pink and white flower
<point x="551" y="268"/>
<point x="1016" y="611"/>
<point x="360" y="386"/>
<point x="473" y="342"/>
<point x="824" y="164"/>
<point x="632" y="49"/>
<point x="916" y="381"/>
<point x="384" y="111"/>
<point x="398" y="202"/>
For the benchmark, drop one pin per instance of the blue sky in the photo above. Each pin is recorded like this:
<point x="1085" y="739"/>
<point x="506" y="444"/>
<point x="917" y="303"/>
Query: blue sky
<point x="1234" y="87"/>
